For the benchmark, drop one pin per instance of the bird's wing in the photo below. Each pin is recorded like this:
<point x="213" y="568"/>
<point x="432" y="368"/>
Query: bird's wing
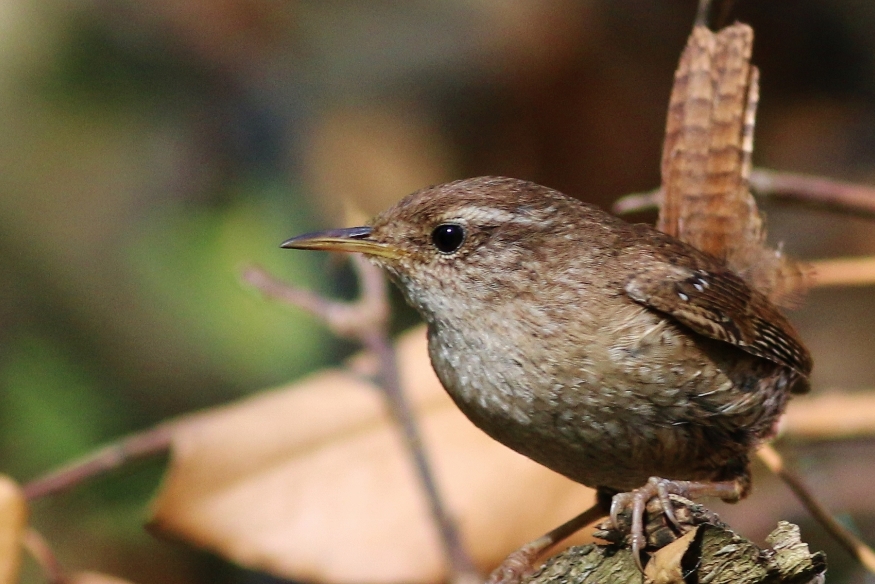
<point x="714" y="302"/>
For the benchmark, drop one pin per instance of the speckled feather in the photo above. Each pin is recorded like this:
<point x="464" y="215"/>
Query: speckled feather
<point x="606" y="351"/>
<point x="713" y="301"/>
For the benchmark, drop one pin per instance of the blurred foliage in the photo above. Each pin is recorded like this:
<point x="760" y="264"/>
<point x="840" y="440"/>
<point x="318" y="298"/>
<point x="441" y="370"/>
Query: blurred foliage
<point x="150" y="150"/>
<point x="188" y="261"/>
<point x="98" y="70"/>
<point x="52" y="409"/>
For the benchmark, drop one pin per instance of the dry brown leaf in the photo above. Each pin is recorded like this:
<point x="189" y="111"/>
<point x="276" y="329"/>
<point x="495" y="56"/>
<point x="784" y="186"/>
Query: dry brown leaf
<point x="831" y="416"/>
<point x="665" y="566"/>
<point x="95" y="578"/>
<point x="311" y="482"/>
<point x="13" y="521"/>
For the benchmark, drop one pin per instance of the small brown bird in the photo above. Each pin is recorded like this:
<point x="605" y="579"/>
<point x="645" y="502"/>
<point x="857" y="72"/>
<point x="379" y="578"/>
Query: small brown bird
<point x="609" y="352"/>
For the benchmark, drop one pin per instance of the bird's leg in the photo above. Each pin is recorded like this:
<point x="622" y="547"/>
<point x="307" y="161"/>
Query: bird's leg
<point x="521" y="563"/>
<point x="659" y="488"/>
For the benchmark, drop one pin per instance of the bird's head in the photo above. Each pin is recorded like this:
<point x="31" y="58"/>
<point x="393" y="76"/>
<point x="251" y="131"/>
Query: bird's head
<point x="471" y="237"/>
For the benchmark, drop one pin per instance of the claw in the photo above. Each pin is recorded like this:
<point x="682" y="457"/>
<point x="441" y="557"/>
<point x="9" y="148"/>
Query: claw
<point x="619" y="502"/>
<point x="662" y="492"/>
<point x="638" y="545"/>
<point x="638" y="539"/>
<point x="660" y="489"/>
<point x="655" y="488"/>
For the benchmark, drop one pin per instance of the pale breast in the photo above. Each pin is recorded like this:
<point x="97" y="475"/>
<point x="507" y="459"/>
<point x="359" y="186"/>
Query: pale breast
<point x="609" y="403"/>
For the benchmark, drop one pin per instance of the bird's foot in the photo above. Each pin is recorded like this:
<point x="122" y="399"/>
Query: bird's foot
<point x="659" y="490"/>
<point x="515" y="566"/>
<point x="522" y="562"/>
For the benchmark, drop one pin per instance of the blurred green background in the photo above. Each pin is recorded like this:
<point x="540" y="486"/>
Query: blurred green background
<point x="149" y="150"/>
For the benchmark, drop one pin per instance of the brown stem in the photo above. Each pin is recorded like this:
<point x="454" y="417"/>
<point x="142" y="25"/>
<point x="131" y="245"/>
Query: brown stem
<point x="844" y="272"/>
<point x="42" y="553"/>
<point x="522" y="562"/>
<point x="862" y="552"/>
<point x="637" y="202"/>
<point x="378" y="342"/>
<point x="832" y="415"/>
<point x="366" y="321"/>
<point x="818" y="191"/>
<point x="345" y="319"/>
<point x="148" y="443"/>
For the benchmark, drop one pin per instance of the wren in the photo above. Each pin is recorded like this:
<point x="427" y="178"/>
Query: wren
<point x="612" y="353"/>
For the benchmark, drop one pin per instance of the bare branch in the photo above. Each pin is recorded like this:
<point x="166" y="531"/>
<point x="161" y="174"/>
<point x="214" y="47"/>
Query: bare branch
<point x="844" y="272"/>
<point x="521" y="562"/>
<point x="637" y="202"/>
<point x="366" y="320"/>
<point x="148" y="443"/>
<point x="862" y="552"/>
<point x="818" y="191"/>
<point x="345" y="319"/>
<point x="832" y="415"/>
<point x="702" y="12"/>
<point x="42" y="553"/>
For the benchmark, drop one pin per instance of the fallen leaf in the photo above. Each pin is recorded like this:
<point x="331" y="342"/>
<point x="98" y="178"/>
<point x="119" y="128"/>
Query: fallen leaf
<point x="665" y="566"/>
<point x="13" y="521"/>
<point x="311" y="481"/>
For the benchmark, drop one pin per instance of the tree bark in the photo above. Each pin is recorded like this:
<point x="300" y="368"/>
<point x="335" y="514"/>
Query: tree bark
<point x="708" y="553"/>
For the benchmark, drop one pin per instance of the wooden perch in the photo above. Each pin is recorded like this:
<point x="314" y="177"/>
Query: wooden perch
<point x="715" y="555"/>
<point x="708" y="552"/>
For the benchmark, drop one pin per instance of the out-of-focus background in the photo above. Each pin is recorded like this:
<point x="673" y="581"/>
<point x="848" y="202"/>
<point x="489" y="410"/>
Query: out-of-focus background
<point x="149" y="150"/>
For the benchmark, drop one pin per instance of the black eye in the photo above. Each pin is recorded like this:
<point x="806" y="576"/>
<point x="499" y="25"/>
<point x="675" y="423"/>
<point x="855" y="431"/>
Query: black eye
<point x="448" y="237"/>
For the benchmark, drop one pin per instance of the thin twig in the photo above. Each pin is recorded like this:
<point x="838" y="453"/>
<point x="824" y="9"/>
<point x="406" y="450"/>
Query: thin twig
<point x="366" y="321"/>
<point x="831" y="272"/>
<point x="831" y="415"/>
<point x="637" y="202"/>
<point x="379" y="344"/>
<point x="522" y="562"/>
<point x="857" y="548"/>
<point x="42" y="553"/>
<point x="141" y="445"/>
<point x="818" y="191"/>
<point x="344" y="319"/>
<point x="844" y="272"/>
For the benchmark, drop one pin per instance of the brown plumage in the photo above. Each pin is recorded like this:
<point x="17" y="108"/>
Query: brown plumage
<point x="606" y="351"/>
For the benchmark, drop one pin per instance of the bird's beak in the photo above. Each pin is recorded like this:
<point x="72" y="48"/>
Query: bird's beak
<point x="352" y="239"/>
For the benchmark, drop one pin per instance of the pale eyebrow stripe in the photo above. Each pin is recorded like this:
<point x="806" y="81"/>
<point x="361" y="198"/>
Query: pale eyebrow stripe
<point x="476" y="214"/>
